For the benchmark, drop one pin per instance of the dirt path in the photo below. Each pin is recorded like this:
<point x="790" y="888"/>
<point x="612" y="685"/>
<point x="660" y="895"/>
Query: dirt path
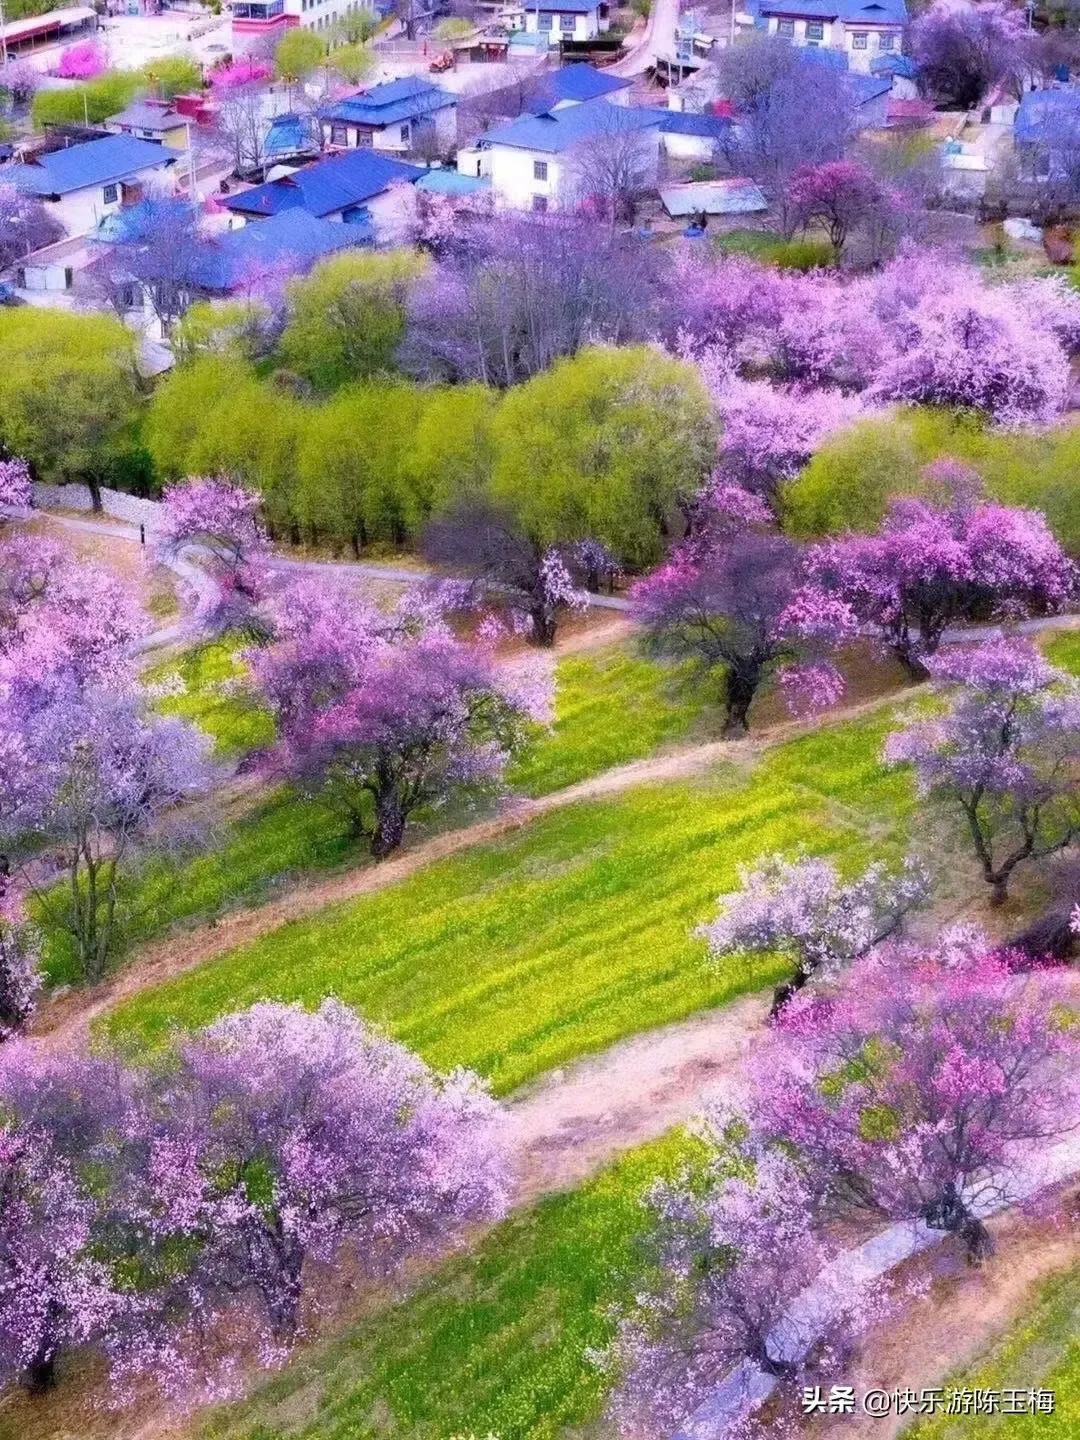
<point x="962" y="1316"/>
<point x="571" y="1122"/>
<point x="68" y="1019"/>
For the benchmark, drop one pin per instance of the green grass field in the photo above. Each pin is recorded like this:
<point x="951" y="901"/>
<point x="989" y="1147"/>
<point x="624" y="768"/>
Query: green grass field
<point x="1041" y="1351"/>
<point x="209" y="699"/>
<point x="611" y="706"/>
<point x="570" y="933"/>
<point x="495" y="1343"/>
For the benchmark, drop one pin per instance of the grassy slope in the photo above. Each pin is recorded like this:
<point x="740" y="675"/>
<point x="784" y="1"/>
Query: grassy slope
<point x="209" y="673"/>
<point x="611" y="706"/>
<point x="1042" y="1351"/>
<point x="517" y="956"/>
<point x="495" y="1342"/>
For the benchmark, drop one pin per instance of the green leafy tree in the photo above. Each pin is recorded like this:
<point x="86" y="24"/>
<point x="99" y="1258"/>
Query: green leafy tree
<point x="609" y="443"/>
<point x="69" y="394"/>
<point x="299" y="52"/>
<point x="356" y="479"/>
<point x="352" y="62"/>
<point x="93" y="102"/>
<point x="173" y="75"/>
<point x="452" y="451"/>
<point x="347" y="317"/>
<point x="214" y="416"/>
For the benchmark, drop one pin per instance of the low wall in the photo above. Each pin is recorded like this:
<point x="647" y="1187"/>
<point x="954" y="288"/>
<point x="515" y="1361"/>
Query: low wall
<point x="114" y="503"/>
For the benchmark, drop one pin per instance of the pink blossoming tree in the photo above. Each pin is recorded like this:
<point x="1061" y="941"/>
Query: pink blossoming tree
<point x="20" y="978"/>
<point x="14" y="485"/>
<point x="1003" y="757"/>
<point x="390" y="713"/>
<point x="279" y="1139"/>
<point x="220" y="522"/>
<point x="738" y="614"/>
<point x="92" y="773"/>
<point x="807" y="912"/>
<point x="842" y="194"/>
<point x="933" y="566"/>
<point x="920" y="1086"/>
<point x="83" y="61"/>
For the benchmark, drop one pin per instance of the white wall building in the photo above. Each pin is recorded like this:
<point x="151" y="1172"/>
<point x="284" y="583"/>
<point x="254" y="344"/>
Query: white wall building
<point x="566" y="19"/>
<point x="83" y="183"/>
<point x="861" y="29"/>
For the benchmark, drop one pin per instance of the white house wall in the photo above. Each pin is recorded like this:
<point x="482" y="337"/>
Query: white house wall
<point x="80" y="211"/>
<point x="586" y="27"/>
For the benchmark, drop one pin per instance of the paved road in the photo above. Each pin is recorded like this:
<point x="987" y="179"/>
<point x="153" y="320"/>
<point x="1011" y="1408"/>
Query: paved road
<point x="658" y="38"/>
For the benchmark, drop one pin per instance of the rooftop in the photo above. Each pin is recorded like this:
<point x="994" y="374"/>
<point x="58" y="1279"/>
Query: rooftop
<point x="148" y="115"/>
<point x="95" y="162"/>
<point x="451" y="182"/>
<point x="326" y="187"/>
<point x="563" y="7"/>
<point x="294" y="240"/>
<point x="851" y="12"/>
<point x="558" y="130"/>
<point x="573" y="82"/>
<point x="1043" y="112"/>
<point x="392" y="102"/>
<point x="735" y="196"/>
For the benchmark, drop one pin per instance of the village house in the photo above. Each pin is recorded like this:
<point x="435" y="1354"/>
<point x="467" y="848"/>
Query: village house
<point x="152" y="120"/>
<point x="566" y="19"/>
<point x="860" y="29"/>
<point x="256" y="23"/>
<point x="357" y="188"/>
<point x="83" y="183"/>
<point x="400" y="115"/>
<point x="1046" y="134"/>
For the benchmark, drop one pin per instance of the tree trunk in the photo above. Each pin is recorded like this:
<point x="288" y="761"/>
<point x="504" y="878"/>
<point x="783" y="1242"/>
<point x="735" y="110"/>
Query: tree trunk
<point x="999" y="889"/>
<point x="742" y="686"/>
<point x="389" y="825"/>
<point x="950" y="1213"/>
<point x="39" y="1374"/>
<point x="543" y="624"/>
<point x="94" y="486"/>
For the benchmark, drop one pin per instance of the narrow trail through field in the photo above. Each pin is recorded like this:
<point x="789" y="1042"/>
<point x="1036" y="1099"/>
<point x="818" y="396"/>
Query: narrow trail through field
<point x="963" y="1314"/>
<point x="68" y="1019"/>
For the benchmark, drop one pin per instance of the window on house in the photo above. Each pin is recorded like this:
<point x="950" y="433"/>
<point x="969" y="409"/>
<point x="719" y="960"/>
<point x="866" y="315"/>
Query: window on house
<point x="858" y="40"/>
<point x="546" y="21"/>
<point x="539" y="169"/>
<point x="786" y="27"/>
<point x="404" y="134"/>
<point x="363" y="139"/>
<point x="566" y="23"/>
<point x="815" y="30"/>
<point x="539" y="202"/>
<point x="339" y="135"/>
<point x="886" y="42"/>
<point x="111" y="194"/>
<point x="69" y="274"/>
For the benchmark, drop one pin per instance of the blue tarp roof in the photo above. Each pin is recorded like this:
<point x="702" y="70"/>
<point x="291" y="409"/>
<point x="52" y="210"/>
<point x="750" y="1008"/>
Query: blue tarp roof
<point x="573" y="82"/>
<point x="894" y="64"/>
<point x="451" y="182"/>
<point x="292" y="135"/>
<point x="389" y="104"/>
<point x="327" y="187"/>
<point x="1042" y="113"/>
<point x="95" y="162"/>
<point x="687" y="122"/>
<point x="558" y="130"/>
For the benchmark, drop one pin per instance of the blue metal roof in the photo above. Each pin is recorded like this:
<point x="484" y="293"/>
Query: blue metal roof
<point x="562" y="7"/>
<point x="558" y="130"/>
<point x="852" y="12"/>
<point x="687" y="122"/>
<point x="451" y="182"/>
<point x="868" y="87"/>
<point x="293" y="238"/>
<point x="573" y="82"/>
<point x="1042" y="114"/>
<point x="326" y="187"/>
<point x="132" y="222"/>
<point x="95" y="162"/>
<point x="409" y="98"/>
